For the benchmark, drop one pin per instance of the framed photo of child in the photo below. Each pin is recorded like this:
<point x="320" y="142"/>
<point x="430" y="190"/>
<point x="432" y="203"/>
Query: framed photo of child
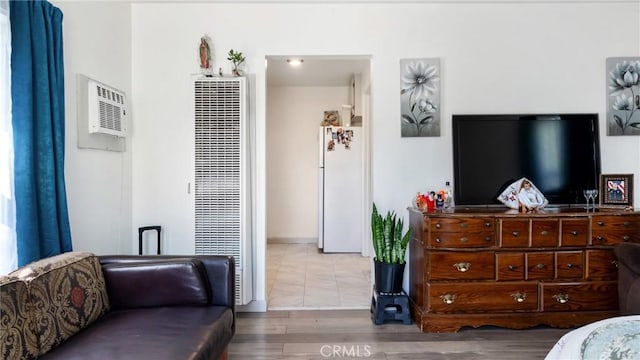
<point x="616" y="190"/>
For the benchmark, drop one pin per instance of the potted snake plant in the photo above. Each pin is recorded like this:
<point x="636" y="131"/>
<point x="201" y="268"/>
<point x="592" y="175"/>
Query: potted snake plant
<point x="390" y="247"/>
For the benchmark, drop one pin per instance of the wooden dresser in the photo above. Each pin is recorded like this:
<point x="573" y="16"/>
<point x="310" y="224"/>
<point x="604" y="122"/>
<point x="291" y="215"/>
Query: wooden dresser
<point x="494" y="266"/>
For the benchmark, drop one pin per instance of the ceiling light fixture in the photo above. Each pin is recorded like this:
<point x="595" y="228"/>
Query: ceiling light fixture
<point x="295" y="62"/>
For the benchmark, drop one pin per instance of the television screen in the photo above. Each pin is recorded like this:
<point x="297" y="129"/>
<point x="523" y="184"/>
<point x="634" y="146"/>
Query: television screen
<point x="559" y="153"/>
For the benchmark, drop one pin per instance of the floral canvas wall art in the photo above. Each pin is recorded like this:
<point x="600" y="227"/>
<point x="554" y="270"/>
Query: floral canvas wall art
<point x="623" y="96"/>
<point x="420" y="97"/>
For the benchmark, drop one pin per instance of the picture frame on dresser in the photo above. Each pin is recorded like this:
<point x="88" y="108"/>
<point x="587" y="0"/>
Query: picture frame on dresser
<point x="616" y="190"/>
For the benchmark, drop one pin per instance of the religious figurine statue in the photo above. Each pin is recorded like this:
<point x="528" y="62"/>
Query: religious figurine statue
<point x="204" y="52"/>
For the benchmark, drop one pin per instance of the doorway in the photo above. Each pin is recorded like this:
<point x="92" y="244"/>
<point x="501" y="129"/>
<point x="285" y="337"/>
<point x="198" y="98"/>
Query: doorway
<point x="299" y="275"/>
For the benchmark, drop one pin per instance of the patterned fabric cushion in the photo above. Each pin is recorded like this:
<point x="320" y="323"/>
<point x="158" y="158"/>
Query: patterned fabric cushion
<point x="67" y="293"/>
<point x="612" y="338"/>
<point x="619" y="340"/>
<point x="17" y="337"/>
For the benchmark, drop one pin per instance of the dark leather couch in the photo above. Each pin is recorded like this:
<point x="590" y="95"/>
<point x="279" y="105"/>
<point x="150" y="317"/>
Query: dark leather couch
<point x="628" y="255"/>
<point x="162" y="307"/>
<point x="81" y="306"/>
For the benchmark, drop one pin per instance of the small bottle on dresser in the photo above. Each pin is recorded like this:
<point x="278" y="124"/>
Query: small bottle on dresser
<point x="439" y="202"/>
<point x="448" y="195"/>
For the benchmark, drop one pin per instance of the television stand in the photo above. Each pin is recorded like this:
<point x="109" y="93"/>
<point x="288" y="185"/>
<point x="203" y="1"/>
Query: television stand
<point x="494" y="266"/>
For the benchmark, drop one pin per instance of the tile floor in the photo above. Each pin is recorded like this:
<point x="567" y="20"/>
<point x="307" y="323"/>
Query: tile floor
<point x="299" y="277"/>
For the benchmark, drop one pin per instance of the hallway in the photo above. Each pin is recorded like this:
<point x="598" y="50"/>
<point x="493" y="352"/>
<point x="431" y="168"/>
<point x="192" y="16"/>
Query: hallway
<point x="301" y="278"/>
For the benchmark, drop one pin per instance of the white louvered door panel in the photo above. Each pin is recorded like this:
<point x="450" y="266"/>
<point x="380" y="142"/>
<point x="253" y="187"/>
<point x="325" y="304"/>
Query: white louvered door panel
<point x="222" y="192"/>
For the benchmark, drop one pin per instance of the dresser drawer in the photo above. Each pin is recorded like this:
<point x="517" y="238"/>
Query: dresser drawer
<point x="616" y="222"/>
<point x="575" y="232"/>
<point x="460" y="266"/>
<point x="611" y="230"/>
<point x="601" y="265"/>
<point x="545" y="233"/>
<point x="454" y="224"/>
<point x="514" y="233"/>
<point x="600" y="237"/>
<point x="540" y="265"/>
<point x="462" y="232"/>
<point x="579" y="296"/>
<point x="462" y="239"/>
<point x="482" y="297"/>
<point x="569" y="265"/>
<point x="510" y="266"/>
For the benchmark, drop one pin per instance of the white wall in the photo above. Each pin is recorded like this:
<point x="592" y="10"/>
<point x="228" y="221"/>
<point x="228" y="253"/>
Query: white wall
<point x="97" y="43"/>
<point x="293" y="118"/>
<point x="495" y="58"/>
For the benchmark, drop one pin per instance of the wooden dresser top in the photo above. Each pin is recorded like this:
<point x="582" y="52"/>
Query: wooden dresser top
<point x="503" y="211"/>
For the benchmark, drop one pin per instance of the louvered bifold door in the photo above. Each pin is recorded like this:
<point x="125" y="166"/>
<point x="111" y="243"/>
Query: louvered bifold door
<point x="221" y="169"/>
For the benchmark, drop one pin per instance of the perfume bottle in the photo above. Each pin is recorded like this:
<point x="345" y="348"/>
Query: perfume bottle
<point x="439" y="202"/>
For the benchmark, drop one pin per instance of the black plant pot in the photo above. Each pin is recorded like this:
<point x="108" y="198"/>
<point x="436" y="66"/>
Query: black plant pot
<point x="388" y="277"/>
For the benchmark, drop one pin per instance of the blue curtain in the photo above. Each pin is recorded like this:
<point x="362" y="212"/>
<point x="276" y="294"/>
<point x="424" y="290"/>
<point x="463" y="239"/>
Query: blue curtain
<point x="37" y="95"/>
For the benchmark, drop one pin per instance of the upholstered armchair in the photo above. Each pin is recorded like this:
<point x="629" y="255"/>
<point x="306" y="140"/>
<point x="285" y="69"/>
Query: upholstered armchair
<point x="628" y="255"/>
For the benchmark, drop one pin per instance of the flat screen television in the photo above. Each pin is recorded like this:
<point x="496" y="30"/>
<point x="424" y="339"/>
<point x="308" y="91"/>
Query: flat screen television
<point x="559" y="153"/>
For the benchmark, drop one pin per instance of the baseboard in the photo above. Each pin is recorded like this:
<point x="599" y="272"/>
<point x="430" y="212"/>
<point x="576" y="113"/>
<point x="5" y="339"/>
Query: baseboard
<point x="253" y="306"/>
<point x="292" y="240"/>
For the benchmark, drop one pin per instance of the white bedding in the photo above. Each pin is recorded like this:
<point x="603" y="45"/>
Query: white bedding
<point x="616" y="338"/>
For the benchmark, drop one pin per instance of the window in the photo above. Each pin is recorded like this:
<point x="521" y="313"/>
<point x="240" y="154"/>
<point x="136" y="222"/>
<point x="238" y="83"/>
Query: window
<point x="8" y="249"/>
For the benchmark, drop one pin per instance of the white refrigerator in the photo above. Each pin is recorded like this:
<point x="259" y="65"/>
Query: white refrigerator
<point x="340" y="180"/>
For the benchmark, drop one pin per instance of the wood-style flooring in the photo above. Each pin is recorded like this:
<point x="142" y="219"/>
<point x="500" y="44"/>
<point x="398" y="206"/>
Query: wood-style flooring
<point x="334" y="334"/>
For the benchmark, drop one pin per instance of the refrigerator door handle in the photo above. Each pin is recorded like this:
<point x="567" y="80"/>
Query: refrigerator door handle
<point x="321" y="137"/>
<point x="320" y="208"/>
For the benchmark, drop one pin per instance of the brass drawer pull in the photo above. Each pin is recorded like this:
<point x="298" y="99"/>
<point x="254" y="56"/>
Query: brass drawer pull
<point x="626" y="224"/>
<point x="512" y="267"/>
<point x="599" y="238"/>
<point x="570" y="265"/>
<point x="438" y="240"/>
<point x="462" y="266"/>
<point x="541" y="266"/>
<point x="519" y="297"/>
<point x="574" y="233"/>
<point x="601" y="223"/>
<point x="448" y="298"/>
<point x="464" y="225"/>
<point x="544" y="233"/>
<point x="464" y="239"/>
<point x="626" y="238"/>
<point x="515" y="233"/>
<point x="487" y="224"/>
<point x="488" y="238"/>
<point x="561" y="298"/>
<point x="614" y="263"/>
<point x="438" y="226"/>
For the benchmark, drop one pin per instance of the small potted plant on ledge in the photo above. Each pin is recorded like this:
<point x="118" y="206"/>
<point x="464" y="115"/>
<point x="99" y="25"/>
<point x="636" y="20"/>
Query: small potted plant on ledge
<point x="236" y="59"/>
<point x="390" y="247"/>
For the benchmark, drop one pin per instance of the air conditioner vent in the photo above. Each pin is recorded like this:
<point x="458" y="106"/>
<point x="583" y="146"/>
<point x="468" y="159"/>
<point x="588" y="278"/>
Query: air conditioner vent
<point x="107" y="109"/>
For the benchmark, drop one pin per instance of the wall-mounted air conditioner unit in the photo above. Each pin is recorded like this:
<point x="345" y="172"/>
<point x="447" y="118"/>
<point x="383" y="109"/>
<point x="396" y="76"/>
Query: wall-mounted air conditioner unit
<point x="107" y="109"/>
